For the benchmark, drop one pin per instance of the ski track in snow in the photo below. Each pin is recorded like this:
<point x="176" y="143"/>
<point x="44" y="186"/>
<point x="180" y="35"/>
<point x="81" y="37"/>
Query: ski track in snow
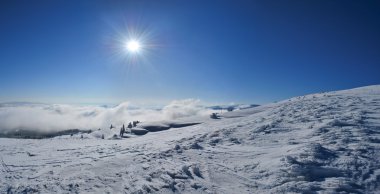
<point x="319" y="143"/>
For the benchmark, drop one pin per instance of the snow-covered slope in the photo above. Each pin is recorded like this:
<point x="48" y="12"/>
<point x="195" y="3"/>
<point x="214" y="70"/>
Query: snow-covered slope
<point x="320" y="143"/>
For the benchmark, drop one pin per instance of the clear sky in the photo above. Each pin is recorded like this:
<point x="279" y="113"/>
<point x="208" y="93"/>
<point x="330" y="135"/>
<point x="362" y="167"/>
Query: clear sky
<point x="217" y="51"/>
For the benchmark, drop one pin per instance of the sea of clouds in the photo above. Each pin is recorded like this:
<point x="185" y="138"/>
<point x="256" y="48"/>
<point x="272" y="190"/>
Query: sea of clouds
<point x="56" y="117"/>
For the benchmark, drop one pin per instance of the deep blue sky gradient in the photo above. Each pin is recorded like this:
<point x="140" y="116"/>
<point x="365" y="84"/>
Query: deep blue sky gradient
<point x="217" y="51"/>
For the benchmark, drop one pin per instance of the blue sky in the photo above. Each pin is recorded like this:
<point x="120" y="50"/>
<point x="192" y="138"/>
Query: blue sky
<point x="216" y="51"/>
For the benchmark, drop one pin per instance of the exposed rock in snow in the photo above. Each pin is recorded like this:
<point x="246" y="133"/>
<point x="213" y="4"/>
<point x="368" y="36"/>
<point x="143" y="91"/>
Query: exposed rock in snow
<point x="165" y="125"/>
<point x="139" y="131"/>
<point x="319" y="143"/>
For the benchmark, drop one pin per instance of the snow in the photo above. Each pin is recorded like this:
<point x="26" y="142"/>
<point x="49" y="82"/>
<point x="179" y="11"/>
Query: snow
<point x="318" y="143"/>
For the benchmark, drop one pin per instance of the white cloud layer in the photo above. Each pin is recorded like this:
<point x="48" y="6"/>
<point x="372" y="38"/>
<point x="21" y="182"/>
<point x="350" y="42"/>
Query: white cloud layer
<point x="56" y="117"/>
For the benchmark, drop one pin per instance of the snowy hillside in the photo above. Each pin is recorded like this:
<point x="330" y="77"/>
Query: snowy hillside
<point x="319" y="143"/>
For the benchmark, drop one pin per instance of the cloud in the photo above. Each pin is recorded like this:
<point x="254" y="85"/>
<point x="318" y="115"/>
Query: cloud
<point x="182" y="108"/>
<point x="56" y="117"/>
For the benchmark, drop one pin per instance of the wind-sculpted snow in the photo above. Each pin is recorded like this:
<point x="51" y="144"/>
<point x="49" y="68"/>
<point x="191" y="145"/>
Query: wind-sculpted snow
<point x="320" y="143"/>
<point x="45" y="118"/>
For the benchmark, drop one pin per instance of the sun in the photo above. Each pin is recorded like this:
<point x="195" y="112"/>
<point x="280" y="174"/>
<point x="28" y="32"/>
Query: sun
<point x="133" y="46"/>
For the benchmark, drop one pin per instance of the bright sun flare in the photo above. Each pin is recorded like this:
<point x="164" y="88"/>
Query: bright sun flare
<point x="133" y="46"/>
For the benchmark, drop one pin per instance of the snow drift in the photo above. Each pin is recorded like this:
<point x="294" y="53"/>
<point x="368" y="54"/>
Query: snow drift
<point x="319" y="143"/>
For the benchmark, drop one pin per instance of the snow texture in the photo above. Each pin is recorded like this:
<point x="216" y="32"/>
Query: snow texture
<point x="319" y="143"/>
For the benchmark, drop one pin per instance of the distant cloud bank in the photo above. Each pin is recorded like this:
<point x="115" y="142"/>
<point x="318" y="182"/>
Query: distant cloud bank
<point x="56" y="117"/>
